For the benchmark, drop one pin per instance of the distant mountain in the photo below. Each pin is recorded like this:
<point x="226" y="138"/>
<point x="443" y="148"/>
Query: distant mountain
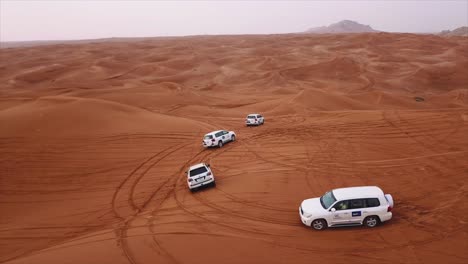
<point x="461" y="31"/>
<point x="345" y="26"/>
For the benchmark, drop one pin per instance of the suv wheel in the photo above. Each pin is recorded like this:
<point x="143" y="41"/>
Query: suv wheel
<point x="233" y="138"/>
<point x="220" y="143"/>
<point x="371" y="221"/>
<point x="319" y="224"/>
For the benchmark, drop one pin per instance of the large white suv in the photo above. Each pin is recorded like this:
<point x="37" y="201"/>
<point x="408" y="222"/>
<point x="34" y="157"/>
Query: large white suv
<point x="366" y="205"/>
<point x="254" y="119"/>
<point x="218" y="138"/>
<point x="199" y="175"/>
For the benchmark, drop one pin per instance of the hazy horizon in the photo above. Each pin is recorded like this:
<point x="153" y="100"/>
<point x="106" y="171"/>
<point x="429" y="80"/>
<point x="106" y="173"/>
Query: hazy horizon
<point x="75" y="20"/>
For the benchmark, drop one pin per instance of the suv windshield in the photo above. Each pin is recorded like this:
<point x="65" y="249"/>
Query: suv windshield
<point x="197" y="171"/>
<point x="327" y="200"/>
<point x="208" y="137"/>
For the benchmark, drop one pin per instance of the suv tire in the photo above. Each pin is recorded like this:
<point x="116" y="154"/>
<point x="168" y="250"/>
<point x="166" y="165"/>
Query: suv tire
<point x="319" y="224"/>
<point x="371" y="221"/>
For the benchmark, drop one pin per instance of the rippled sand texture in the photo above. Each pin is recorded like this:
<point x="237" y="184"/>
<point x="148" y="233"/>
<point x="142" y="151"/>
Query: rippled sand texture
<point x="95" y="139"/>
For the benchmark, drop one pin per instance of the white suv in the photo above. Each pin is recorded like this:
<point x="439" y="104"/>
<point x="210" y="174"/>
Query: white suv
<point x="199" y="175"/>
<point x="218" y="138"/>
<point x="254" y="119"/>
<point x="366" y="205"/>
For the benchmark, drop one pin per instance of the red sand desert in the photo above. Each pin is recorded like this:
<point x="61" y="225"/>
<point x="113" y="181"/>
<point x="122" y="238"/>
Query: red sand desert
<point x="95" y="139"/>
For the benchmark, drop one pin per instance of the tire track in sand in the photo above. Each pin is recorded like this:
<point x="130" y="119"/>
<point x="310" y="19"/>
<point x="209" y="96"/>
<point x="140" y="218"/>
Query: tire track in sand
<point x="121" y="230"/>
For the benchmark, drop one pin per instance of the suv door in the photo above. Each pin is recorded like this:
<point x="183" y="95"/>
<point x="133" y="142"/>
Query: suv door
<point x="219" y="136"/>
<point x="342" y="215"/>
<point x="357" y="210"/>
<point x="372" y="207"/>
<point x="226" y="136"/>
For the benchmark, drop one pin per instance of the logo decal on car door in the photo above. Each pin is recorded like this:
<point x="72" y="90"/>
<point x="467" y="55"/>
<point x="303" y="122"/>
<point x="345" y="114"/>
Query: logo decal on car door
<point x="356" y="213"/>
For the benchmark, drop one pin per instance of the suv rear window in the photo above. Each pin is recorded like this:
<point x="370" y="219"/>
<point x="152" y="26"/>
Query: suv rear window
<point x="372" y="202"/>
<point x="251" y="116"/>
<point x="208" y="137"/>
<point x="197" y="171"/>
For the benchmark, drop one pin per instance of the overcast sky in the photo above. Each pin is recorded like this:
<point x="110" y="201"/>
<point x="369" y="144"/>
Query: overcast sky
<point x="64" y="19"/>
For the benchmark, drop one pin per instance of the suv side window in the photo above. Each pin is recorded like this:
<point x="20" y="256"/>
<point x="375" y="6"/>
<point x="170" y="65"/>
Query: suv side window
<point x="225" y="132"/>
<point x="259" y="116"/>
<point x="372" y="202"/>
<point x="357" y="203"/>
<point x="218" y="134"/>
<point x="342" y="205"/>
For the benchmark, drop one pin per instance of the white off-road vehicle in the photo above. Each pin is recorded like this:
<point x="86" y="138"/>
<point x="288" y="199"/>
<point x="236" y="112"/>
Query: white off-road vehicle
<point x="366" y="205"/>
<point x="218" y="138"/>
<point x="254" y="120"/>
<point x="200" y="175"/>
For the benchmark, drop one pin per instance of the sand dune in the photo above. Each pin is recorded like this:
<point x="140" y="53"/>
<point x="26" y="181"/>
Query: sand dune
<point x="95" y="138"/>
<point x="69" y="116"/>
